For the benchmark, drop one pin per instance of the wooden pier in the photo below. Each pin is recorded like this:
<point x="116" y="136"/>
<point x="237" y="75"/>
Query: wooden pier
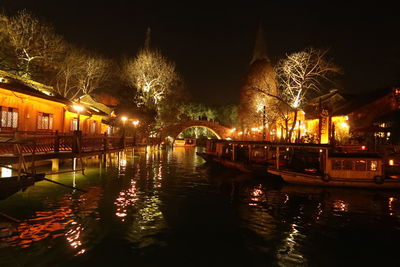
<point x="35" y="147"/>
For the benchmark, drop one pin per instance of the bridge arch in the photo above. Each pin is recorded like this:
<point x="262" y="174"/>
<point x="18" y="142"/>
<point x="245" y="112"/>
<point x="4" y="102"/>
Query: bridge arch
<point x="210" y="129"/>
<point x="220" y="131"/>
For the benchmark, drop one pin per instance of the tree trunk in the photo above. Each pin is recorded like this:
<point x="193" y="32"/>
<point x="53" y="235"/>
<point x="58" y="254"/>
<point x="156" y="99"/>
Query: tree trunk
<point x="293" y="125"/>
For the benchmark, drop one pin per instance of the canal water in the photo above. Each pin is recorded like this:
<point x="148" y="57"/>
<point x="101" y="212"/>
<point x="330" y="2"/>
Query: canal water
<point x="170" y="208"/>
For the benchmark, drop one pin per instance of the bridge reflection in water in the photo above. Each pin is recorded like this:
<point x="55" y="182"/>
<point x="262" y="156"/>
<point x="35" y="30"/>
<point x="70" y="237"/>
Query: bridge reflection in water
<point x="169" y="207"/>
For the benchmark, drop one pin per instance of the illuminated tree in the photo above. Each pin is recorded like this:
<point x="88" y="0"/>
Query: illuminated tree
<point x="152" y="75"/>
<point x="302" y="76"/>
<point x="66" y="79"/>
<point x="30" y="43"/>
<point x="94" y="72"/>
<point x="80" y="73"/>
<point x="260" y="83"/>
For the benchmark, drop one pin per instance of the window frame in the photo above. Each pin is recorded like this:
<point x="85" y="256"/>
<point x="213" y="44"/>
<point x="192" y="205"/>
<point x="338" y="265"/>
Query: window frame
<point x="43" y="125"/>
<point x="14" y="119"/>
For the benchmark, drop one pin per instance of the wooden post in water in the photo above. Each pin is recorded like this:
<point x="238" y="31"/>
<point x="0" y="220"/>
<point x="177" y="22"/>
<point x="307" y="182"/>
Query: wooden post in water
<point x="250" y="151"/>
<point x="326" y="161"/>
<point x="277" y="157"/>
<point x="57" y="143"/>
<point x="105" y="147"/>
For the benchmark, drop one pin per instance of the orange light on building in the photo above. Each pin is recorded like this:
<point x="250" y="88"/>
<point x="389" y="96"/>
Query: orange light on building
<point x="391" y="162"/>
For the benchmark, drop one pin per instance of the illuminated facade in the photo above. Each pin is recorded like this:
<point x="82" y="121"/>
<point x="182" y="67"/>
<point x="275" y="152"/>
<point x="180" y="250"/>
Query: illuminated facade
<point x="27" y="109"/>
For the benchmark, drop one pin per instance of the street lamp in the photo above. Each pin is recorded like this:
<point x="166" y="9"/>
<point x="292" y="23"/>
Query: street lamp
<point x="135" y="124"/>
<point x="78" y="109"/>
<point x="123" y="119"/>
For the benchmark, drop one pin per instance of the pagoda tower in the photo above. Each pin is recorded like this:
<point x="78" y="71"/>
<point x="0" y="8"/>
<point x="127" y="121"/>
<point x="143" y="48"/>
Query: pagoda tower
<point x="254" y="105"/>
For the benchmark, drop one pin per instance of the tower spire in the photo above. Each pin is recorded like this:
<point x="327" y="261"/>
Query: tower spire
<point x="260" y="51"/>
<point x="147" y="42"/>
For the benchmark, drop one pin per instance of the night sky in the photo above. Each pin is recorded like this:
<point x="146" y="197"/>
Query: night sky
<point x="212" y="44"/>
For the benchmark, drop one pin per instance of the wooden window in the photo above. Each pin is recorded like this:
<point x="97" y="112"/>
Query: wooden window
<point x="45" y="121"/>
<point x="336" y="164"/>
<point x="347" y="164"/>
<point x="93" y="127"/>
<point x="360" y="165"/>
<point x="74" y="124"/>
<point x="9" y="118"/>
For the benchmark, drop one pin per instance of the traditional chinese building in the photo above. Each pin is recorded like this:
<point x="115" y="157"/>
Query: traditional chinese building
<point x="31" y="107"/>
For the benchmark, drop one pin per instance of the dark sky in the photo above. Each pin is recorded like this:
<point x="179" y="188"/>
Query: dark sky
<point x="212" y="43"/>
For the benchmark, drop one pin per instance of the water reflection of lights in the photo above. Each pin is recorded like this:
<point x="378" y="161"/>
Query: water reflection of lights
<point x="159" y="176"/>
<point x="256" y="195"/>
<point x="288" y="252"/>
<point x="286" y="198"/>
<point x="74" y="235"/>
<point x="319" y="211"/>
<point x="58" y="222"/>
<point x="391" y="203"/>
<point x="150" y="212"/>
<point x="121" y="163"/>
<point x="340" y="205"/>
<point x="125" y="199"/>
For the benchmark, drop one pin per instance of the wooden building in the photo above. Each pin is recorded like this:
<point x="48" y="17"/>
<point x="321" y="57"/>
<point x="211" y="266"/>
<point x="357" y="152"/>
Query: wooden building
<point x="33" y="108"/>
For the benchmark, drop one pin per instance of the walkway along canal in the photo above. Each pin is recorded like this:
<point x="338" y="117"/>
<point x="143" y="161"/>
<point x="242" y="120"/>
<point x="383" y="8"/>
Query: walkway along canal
<point x="170" y="208"/>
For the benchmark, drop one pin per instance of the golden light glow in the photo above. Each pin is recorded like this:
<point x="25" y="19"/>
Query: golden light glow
<point x="391" y="162"/>
<point x="344" y="125"/>
<point x="232" y="130"/>
<point x="124" y="119"/>
<point x="78" y="108"/>
<point x="135" y="122"/>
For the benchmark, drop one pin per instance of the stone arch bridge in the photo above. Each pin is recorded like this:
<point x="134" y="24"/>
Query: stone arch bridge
<point x="219" y="130"/>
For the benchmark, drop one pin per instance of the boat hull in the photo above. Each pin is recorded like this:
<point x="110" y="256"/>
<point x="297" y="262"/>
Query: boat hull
<point x="253" y="168"/>
<point x="310" y="179"/>
<point x="11" y="185"/>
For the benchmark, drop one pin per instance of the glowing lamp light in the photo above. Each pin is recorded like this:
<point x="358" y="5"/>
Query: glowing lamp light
<point x="78" y="108"/>
<point x="135" y="123"/>
<point x="391" y="162"/>
<point x="344" y="125"/>
<point x="232" y="130"/>
<point x="240" y="133"/>
<point x="363" y="147"/>
<point x="124" y="119"/>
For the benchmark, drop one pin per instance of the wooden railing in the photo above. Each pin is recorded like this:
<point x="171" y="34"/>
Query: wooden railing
<point x="76" y="143"/>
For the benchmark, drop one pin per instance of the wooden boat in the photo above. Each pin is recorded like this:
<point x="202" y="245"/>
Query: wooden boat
<point x="13" y="184"/>
<point x="310" y="164"/>
<point x="187" y="142"/>
<point x="244" y="166"/>
<point x="344" y="170"/>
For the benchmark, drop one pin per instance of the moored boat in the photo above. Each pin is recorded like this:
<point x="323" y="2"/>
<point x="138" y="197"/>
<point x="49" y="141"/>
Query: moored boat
<point x="345" y="170"/>
<point x="13" y="184"/>
<point x="311" y="164"/>
<point x="187" y="142"/>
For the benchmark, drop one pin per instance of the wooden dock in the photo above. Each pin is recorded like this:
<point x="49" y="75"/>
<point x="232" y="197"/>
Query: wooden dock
<point x="59" y="146"/>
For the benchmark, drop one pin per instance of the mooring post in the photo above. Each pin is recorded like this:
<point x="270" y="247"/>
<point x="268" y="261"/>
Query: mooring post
<point x="55" y="163"/>
<point x="277" y="157"/>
